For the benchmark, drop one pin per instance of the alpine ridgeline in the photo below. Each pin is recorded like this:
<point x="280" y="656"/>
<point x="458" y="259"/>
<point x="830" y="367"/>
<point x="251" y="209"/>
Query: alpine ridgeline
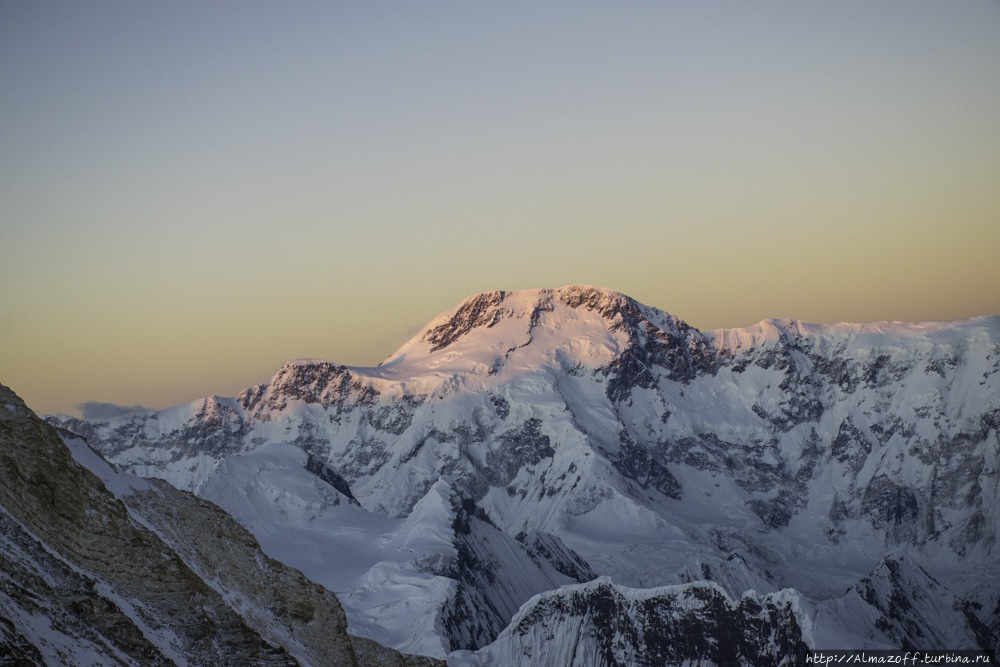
<point x="99" y="567"/>
<point x="538" y="476"/>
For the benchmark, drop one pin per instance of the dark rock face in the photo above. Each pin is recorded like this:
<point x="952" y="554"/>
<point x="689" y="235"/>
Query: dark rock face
<point x="891" y="505"/>
<point x="277" y="601"/>
<point x="69" y="509"/>
<point x="476" y="311"/>
<point x="884" y="434"/>
<point x="45" y="589"/>
<point x="494" y="575"/>
<point x="778" y="511"/>
<point x="396" y="417"/>
<point x="330" y="476"/>
<point x="851" y="445"/>
<point x="549" y="548"/>
<point x="679" y="350"/>
<point x="315" y="383"/>
<point x="502" y="407"/>
<point x="638" y="464"/>
<point x="915" y="611"/>
<point x="602" y="624"/>
<point x="87" y="578"/>
<point x="515" y="449"/>
<point x="373" y="654"/>
<point x="16" y="649"/>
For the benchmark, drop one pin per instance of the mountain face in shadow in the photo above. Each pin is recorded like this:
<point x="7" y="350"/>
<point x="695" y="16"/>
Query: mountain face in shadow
<point x="99" y="567"/>
<point x="525" y="443"/>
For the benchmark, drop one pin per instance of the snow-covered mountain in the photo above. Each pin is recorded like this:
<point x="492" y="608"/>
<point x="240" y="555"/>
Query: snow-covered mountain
<point x="99" y="567"/>
<point x="523" y="443"/>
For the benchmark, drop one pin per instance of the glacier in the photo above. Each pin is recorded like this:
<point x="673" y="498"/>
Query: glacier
<point x="101" y="568"/>
<point x="526" y="449"/>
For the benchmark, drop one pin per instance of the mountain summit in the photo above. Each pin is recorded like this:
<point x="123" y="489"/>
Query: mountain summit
<point x="524" y="443"/>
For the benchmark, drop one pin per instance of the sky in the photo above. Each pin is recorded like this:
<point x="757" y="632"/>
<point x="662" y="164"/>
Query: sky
<point x="193" y="193"/>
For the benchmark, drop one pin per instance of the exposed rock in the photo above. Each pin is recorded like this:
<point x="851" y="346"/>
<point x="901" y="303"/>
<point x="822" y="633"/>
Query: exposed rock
<point x="108" y="569"/>
<point x="900" y="604"/>
<point x="603" y="625"/>
<point x="121" y="586"/>
<point x="476" y="311"/>
<point x="373" y="654"/>
<point x="643" y="445"/>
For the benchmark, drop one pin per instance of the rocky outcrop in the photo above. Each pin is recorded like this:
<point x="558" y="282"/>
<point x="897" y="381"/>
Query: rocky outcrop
<point x="101" y="568"/>
<point x="476" y="311"/>
<point x="781" y="455"/>
<point x="493" y="573"/>
<point x="600" y="624"/>
<point x="373" y="654"/>
<point x="899" y="604"/>
<point x="109" y="577"/>
<point x="287" y="609"/>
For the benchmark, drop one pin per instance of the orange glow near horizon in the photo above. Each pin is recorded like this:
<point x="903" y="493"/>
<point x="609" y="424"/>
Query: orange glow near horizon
<point x="184" y="206"/>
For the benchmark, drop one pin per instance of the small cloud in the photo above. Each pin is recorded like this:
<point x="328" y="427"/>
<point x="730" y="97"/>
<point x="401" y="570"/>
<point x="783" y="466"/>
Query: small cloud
<point x="97" y="411"/>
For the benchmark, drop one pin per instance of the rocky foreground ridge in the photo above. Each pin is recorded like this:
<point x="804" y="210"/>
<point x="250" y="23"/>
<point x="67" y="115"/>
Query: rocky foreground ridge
<point x="103" y="568"/>
<point x="835" y="485"/>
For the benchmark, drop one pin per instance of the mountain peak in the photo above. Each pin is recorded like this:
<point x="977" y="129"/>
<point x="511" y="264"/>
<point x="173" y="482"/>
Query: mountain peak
<point x="650" y="451"/>
<point x="488" y="327"/>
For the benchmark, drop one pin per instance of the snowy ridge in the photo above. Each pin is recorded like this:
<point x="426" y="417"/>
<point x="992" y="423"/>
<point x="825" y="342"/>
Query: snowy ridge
<point x="98" y="567"/>
<point x="784" y="455"/>
<point x="69" y="593"/>
<point x="904" y="606"/>
<point x="600" y="623"/>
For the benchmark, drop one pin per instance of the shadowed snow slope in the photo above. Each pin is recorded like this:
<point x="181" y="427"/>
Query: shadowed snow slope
<point x="99" y="567"/>
<point x="627" y="444"/>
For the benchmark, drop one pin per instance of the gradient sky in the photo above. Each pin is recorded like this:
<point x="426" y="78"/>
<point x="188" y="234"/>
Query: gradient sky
<point x="193" y="193"/>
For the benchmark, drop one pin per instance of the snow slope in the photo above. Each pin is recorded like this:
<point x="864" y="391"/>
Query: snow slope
<point x="99" y="567"/>
<point x="781" y="456"/>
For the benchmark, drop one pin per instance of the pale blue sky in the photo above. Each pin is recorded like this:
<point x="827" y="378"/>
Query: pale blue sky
<point x="193" y="193"/>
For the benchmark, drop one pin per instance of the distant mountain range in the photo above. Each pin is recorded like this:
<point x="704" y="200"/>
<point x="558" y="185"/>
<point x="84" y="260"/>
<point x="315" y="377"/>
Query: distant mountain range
<point x="569" y="477"/>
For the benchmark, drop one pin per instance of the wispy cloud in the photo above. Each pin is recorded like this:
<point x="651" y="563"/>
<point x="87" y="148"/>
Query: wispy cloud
<point x="97" y="411"/>
<point x="391" y="342"/>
